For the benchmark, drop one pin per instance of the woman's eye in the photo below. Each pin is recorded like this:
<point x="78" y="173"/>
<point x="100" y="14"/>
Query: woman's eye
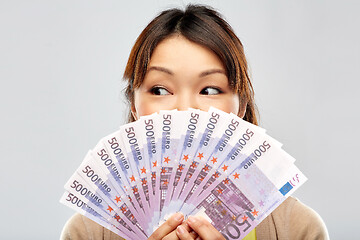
<point x="159" y="91"/>
<point x="210" y="91"/>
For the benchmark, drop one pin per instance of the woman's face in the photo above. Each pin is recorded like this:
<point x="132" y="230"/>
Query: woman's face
<point x="181" y="75"/>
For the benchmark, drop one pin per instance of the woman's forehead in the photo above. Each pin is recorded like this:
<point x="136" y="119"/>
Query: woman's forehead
<point x="178" y="53"/>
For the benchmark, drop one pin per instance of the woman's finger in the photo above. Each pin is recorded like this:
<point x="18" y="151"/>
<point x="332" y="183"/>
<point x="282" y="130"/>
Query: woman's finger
<point x="174" y="235"/>
<point x="185" y="234"/>
<point x="168" y="226"/>
<point x="205" y="230"/>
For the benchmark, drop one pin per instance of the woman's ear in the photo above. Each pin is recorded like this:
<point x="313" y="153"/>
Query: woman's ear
<point x="242" y="109"/>
<point x="133" y="112"/>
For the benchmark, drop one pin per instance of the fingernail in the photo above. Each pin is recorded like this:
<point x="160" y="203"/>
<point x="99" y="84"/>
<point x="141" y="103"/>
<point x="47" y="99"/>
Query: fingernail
<point x="178" y="216"/>
<point x="192" y="219"/>
<point x="180" y="229"/>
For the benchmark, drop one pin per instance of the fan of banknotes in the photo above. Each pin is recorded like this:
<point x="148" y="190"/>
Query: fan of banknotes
<point x="211" y="164"/>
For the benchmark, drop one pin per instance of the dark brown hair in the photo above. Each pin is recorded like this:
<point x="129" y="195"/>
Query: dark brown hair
<point x="201" y="25"/>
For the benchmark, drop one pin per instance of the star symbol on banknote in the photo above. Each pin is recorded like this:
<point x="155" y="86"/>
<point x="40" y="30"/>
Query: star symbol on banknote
<point x="214" y="160"/>
<point x="135" y="190"/>
<point x="143" y="181"/>
<point x="225" y="167"/>
<point x="109" y="208"/>
<point x="261" y="203"/>
<point x="226" y="181"/>
<point x="223" y="212"/>
<point x="163" y="170"/>
<point x="186" y="157"/>
<point x="132" y="178"/>
<point x="244" y="218"/>
<point x="167" y="160"/>
<point x="117" y="217"/>
<point x="201" y="155"/>
<point x="123" y="209"/>
<point x="219" y="191"/>
<point x="143" y="170"/>
<point x="193" y="165"/>
<point x="206" y="168"/>
<point x="255" y="213"/>
<point x="236" y="175"/>
<point x="180" y="168"/>
<point x="153" y="175"/>
<point x="154" y="164"/>
<point x="166" y="182"/>
<point x="216" y="175"/>
<point x="117" y="199"/>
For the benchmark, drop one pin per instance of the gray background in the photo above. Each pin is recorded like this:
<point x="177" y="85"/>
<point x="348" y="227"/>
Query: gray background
<point x="61" y="64"/>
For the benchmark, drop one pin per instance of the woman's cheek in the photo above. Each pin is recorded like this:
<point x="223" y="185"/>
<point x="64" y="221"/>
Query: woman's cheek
<point x="150" y="105"/>
<point x="229" y="103"/>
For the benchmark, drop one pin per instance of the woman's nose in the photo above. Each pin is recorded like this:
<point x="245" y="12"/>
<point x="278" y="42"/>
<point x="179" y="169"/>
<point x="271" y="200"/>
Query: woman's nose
<point x="186" y="101"/>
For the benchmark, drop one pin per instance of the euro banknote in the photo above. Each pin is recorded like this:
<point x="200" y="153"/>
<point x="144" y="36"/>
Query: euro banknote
<point x="207" y="163"/>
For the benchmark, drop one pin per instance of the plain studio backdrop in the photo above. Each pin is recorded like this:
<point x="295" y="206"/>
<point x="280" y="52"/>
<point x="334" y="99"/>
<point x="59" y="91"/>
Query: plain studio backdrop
<point x="61" y="65"/>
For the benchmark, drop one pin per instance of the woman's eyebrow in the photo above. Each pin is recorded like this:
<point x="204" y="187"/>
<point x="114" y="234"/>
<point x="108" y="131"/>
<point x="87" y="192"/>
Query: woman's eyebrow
<point x="161" y="69"/>
<point x="211" y="71"/>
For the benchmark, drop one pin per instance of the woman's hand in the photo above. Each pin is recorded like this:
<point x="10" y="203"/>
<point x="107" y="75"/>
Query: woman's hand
<point x="200" y="226"/>
<point x="167" y="231"/>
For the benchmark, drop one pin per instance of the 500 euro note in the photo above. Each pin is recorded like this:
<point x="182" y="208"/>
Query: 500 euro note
<point x="141" y="171"/>
<point x="235" y="204"/>
<point x="129" y="183"/>
<point x="152" y="154"/>
<point x="90" y="185"/>
<point x="72" y="201"/>
<point x="211" y="163"/>
<point x="194" y="121"/>
<point x="172" y="130"/>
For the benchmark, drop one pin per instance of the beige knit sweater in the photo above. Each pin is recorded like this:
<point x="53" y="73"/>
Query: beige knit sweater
<point x="291" y="220"/>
